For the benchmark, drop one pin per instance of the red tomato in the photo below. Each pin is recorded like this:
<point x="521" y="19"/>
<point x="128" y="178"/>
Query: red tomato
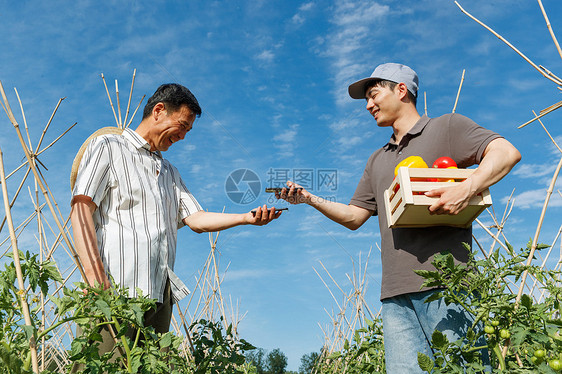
<point x="444" y="162"/>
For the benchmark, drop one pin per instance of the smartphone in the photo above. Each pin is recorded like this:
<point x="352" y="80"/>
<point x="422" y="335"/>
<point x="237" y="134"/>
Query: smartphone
<point x="278" y="189"/>
<point x="276" y="210"/>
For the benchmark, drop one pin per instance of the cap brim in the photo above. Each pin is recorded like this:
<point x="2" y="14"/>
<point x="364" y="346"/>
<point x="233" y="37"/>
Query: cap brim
<point x="78" y="157"/>
<point x="357" y="90"/>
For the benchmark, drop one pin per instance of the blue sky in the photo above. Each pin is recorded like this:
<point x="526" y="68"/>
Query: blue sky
<point x="272" y="80"/>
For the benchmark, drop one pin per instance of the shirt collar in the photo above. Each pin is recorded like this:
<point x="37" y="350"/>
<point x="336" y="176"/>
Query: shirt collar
<point x="414" y="131"/>
<point x="138" y="141"/>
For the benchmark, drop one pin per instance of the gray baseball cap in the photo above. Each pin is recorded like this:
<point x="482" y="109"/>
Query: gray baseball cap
<point x="397" y="73"/>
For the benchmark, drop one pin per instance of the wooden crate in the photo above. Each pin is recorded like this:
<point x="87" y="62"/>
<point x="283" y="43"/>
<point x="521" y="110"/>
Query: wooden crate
<point x="406" y="206"/>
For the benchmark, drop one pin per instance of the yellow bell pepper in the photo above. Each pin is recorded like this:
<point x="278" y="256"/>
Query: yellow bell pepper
<point x="411" y="162"/>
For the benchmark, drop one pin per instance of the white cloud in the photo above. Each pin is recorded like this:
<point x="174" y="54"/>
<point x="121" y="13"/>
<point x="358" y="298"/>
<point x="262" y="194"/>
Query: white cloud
<point x="195" y="168"/>
<point x="188" y="147"/>
<point x="533" y="170"/>
<point x="349" y="142"/>
<point x="234" y="275"/>
<point x="307" y="6"/>
<point x="285" y="141"/>
<point x="351" y="13"/>
<point x="535" y="199"/>
<point x="298" y="19"/>
<point x="266" y="56"/>
<point x="346" y="45"/>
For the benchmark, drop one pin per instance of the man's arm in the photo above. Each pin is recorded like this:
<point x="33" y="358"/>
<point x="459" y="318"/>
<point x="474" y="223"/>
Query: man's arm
<point x="211" y="222"/>
<point x="499" y="157"/>
<point x="85" y="240"/>
<point x="350" y="216"/>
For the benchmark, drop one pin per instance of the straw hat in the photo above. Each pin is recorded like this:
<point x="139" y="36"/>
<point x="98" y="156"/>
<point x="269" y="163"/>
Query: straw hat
<point x="78" y="157"/>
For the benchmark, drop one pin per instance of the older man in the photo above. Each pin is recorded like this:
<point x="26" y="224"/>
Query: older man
<point x="128" y="202"/>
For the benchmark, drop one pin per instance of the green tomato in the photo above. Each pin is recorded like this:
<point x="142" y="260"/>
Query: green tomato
<point x="535" y="360"/>
<point x="495" y="323"/>
<point x="489" y="329"/>
<point x="540" y="353"/>
<point x="505" y="334"/>
<point x="555" y="364"/>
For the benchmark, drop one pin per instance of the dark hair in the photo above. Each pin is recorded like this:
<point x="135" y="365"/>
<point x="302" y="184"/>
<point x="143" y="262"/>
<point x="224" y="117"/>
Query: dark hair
<point x="174" y="96"/>
<point x="390" y="85"/>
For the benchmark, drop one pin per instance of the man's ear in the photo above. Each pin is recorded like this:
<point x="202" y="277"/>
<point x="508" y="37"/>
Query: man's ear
<point x="158" y="111"/>
<point x="402" y="90"/>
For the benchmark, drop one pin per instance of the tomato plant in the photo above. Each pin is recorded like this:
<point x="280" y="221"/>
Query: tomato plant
<point x="364" y="354"/>
<point x="482" y="288"/>
<point x="215" y="350"/>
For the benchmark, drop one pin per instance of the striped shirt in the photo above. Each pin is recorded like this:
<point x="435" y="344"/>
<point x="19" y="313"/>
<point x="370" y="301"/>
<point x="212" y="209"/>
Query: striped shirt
<point x="141" y="201"/>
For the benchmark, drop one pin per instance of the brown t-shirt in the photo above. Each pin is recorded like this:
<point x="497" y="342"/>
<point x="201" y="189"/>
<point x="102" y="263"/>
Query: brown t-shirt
<point x="407" y="249"/>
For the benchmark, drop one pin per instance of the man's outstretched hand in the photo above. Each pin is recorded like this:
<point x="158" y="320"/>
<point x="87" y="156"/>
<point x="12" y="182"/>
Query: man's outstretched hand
<point x="294" y="194"/>
<point x="262" y="215"/>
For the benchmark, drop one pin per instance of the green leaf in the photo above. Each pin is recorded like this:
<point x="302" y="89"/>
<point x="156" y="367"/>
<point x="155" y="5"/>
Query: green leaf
<point x="104" y="308"/>
<point x="526" y="301"/>
<point x="166" y="340"/>
<point x="439" y="340"/>
<point x="77" y="346"/>
<point x="334" y="355"/>
<point x="425" y="363"/>
<point x="29" y="331"/>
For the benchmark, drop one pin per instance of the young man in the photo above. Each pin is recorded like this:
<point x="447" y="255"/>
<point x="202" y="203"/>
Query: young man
<point x="408" y="322"/>
<point x="128" y="202"/>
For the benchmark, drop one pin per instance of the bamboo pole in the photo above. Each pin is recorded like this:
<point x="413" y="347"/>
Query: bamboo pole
<point x="23" y="116"/>
<point x="492" y="235"/>
<point x="36" y="174"/>
<point x="109" y="97"/>
<point x="543" y="113"/>
<point x="20" y="228"/>
<point x="22" y="294"/>
<point x="119" y="123"/>
<point x="41" y="250"/>
<point x="458" y="92"/>
<point x="537" y="232"/>
<point x="48" y="124"/>
<point x="186" y="329"/>
<point x="548" y="133"/>
<point x="54" y="141"/>
<point x="130" y="97"/>
<point x="550" y="29"/>
<point x="554" y="79"/>
<point x="543" y="264"/>
<point x="135" y="112"/>
<point x="18" y="190"/>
